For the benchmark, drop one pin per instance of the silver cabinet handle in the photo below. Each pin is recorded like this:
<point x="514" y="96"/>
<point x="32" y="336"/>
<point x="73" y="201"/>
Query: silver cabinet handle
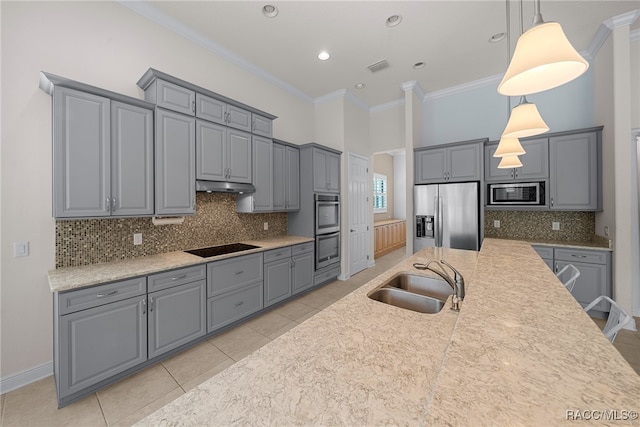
<point x="107" y="294"/>
<point x="557" y="267"/>
<point x="151" y="304"/>
<point x="253" y="125"/>
<point x="179" y="277"/>
<point x="239" y="303"/>
<point x="352" y="230"/>
<point x="578" y="256"/>
<point x="552" y="201"/>
<point x="144" y="306"/>
<point x="239" y="272"/>
<point x="515" y="171"/>
<point x="113" y="204"/>
<point x="107" y="204"/>
<point x="193" y="203"/>
<point x="193" y="106"/>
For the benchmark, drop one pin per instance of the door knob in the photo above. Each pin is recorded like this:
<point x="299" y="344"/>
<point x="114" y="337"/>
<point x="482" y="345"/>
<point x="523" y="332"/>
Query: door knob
<point x="353" y="231"/>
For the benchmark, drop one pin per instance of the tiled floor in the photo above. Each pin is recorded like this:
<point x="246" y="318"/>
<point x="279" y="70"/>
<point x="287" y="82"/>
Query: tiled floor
<point x="133" y="398"/>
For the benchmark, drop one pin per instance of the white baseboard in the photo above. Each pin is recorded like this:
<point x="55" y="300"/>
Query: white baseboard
<point x="344" y="277"/>
<point x="372" y="263"/>
<point x="25" y="377"/>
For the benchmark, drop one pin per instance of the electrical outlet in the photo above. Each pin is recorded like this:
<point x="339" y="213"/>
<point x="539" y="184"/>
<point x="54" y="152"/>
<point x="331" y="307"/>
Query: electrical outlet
<point x="606" y="231"/>
<point x="555" y="226"/>
<point x="20" y="249"/>
<point x="266" y="226"/>
<point x="496" y="223"/>
<point x="137" y="239"/>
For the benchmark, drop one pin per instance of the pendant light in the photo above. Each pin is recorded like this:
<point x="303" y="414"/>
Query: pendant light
<point x="510" y="162"/>
<point x="509" y="147"/>
<point x="543" y="59"/>
<point x="525" y="120"/>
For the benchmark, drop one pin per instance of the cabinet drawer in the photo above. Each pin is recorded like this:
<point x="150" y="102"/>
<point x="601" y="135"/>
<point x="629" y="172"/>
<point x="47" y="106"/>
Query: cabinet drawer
<point x="223" y="276"/>
<point x="325" y="276"/>
<point x="234" y="305"/>
<point x="302" y="248"/>
<point x="176" y="277"/>
<point x="545" y="252"/>
<point x="277" y="254"/>
<point x="581" y="255"/>
<point x="82" y="299"/>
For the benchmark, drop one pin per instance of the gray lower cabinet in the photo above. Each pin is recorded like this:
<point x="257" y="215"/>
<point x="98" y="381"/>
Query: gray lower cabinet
<point x="595" y="273"/>
<point x="102" y="156"/>
<point x="277" y="275"/>
<point x="575" y="172"/>
<point x="451" y="163"/>
<point x="302" y="256"/>
<point x="99" y="332"/>
<point x="286" y="177"/>
<point x="175" y="164"/>
<point x="326" y="171"/>
<point x="535" y="163"/>
<point x="262" y="199"/>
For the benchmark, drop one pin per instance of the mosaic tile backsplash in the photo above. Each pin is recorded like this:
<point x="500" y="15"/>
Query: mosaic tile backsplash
<point x="536" y="225"/>
<point x="216" y="222"/>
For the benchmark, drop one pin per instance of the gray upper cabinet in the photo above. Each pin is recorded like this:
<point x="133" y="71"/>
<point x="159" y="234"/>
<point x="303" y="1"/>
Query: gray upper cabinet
<point x="535" y="163"/>
<point x="172" y="97"/>
<point x="175" y="164"/>
<point x="262" y="199"/>
<point x="222" y="154"/>
<point x="326" y="171"/>
<point x="102" y="156"/>
<point x="286" y="178"/>
<point x="576" y="172"/>
<point x="218" y="111"/>
<point x="239" y="156"/>
<point x="262" y="126"/>
<point x="453" y="163"/>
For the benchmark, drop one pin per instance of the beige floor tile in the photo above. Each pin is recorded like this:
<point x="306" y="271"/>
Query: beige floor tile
<point x="189" y="364"/>
<point x="239" y="342"/>
<point x="149" y="409"/>
<point x="293" y="310"/>
<point x="317" y="299"/>
<point x="132" y="394"/>
<point x="270" y="323"/>
<point x="36" y="405"/>
<point x="309" y="315"/>
<point x="208" y="374"/>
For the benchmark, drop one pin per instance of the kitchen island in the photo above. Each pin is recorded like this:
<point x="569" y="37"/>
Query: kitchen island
<point x="520" y="352"/>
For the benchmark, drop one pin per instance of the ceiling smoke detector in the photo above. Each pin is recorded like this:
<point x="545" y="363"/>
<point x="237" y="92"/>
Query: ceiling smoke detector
<point x="269" y="10"/>
<point x="393" y="20"/>
<point x="378" y="66"/>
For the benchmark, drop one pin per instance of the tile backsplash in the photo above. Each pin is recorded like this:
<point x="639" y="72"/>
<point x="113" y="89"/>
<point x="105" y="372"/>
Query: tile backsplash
<point x="537" y="225"/>
<point x="216" y="222"/>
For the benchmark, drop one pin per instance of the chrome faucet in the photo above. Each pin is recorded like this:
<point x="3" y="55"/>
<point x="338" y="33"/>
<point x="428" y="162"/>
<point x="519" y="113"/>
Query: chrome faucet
<point x="456" y="283"/>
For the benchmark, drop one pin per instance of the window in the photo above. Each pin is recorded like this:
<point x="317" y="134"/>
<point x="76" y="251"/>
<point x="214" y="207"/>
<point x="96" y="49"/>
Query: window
<point x="379" y="193"/>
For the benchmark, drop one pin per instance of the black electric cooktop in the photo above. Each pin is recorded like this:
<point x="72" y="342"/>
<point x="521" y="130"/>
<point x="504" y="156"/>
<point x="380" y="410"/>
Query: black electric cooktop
<point x="221" y="250"/>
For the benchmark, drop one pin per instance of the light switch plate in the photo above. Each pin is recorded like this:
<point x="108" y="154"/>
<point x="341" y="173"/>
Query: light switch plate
<point x="555" y="226"/>
<point x="20" y="249"/>
<point x="496" y="223"/>
<point x="137" y="239"/>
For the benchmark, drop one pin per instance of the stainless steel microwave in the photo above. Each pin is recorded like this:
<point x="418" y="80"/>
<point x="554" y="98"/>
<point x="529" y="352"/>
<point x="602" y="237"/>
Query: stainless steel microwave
<point x="517" y="193"/>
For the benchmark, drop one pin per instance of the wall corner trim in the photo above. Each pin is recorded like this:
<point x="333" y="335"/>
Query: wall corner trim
<point x="28" y="376"/>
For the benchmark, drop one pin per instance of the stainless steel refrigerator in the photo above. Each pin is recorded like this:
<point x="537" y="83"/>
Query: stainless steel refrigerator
<point x="447" y="215"/>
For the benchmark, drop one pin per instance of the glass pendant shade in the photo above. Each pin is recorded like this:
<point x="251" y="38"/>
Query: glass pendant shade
<point x="509" y="162"/>
<point x="509" y="147"/>
<point x="543" y="59"/>
<point x="525" y="121"/>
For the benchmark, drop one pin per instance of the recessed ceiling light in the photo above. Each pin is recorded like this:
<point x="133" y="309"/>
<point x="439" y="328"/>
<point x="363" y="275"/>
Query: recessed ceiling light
<point x="324" y="55"/>
<point x="393" y="20"/>
<point x="418" y="65"/>
<point x="360" y="85"/>
<point x="496" y="37"/>
<point x="269" y="10"/>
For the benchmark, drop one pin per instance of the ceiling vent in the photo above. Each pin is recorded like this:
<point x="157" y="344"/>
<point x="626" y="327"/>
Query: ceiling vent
<point x="378" y="66"/>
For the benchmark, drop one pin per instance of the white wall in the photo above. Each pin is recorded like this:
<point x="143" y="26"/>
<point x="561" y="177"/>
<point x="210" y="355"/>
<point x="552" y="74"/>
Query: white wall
<point x="400" y="186"/>
<point x="387" y="128"/>
<point x="106" y="45"/>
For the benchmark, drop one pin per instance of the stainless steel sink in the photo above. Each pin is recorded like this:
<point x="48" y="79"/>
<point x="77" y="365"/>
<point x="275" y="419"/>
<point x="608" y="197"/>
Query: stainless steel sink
<point x="410" y="301"/>
<point x="428" y="286"/>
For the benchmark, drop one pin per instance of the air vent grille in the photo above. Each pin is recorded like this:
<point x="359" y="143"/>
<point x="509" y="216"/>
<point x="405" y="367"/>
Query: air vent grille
<point x="378" y="66"/>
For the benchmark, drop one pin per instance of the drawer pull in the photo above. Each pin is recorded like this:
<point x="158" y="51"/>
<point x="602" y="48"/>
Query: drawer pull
<point x="239" y="272"/>
<point x="107" y="294"/>
<point x="179" y="277"/>
<point x="238" y="304"/>
<point x="578" y="256"/>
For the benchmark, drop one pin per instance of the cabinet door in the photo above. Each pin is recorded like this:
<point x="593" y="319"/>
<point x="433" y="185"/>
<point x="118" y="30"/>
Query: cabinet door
<point x="535" y="162"/>
<point x="262" y="126"/>
<point x="430" y="166"/>
<point x="210" y="109"/>
<point x="98" y="343"/>
<point x="333" y="172"/>
<point x="262" y="176"/>
<point x="81" y="154"/>
<point x="239" y="156"/>
<point x="175" y="164"/>
<point x="279" y="176"/>
<point x="277" y="281"/>
<point x="302" y="272"/>
<point x="211" y="151"/>
<point x="574" y="172"/>
<point x="464" y="162"/>
<point x="320" y="178"/>
<point x="176" y="316"/>
<point x="292" y="180"/>
<point x="238" y="118"/>
<point x="175" y="98"/>
<point x="131" y="159"/>
<point x="592" y="282"/>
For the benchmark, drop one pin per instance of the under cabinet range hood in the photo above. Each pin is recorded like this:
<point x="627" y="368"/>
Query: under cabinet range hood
<point x="224" y="187"/>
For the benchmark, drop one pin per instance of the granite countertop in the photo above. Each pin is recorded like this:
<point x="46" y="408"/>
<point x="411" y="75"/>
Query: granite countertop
<point x="387" y="221"/>
<point x="65" y="279"/>
<point x="520" y="352"/>
<point x="597" y="242"/>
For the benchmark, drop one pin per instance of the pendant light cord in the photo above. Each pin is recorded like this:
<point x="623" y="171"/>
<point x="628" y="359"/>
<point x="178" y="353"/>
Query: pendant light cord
<point x="508" y="9"/>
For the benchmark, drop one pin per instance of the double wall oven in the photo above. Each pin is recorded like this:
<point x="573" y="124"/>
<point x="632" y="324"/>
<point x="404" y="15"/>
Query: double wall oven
<point x="327" y="229"/>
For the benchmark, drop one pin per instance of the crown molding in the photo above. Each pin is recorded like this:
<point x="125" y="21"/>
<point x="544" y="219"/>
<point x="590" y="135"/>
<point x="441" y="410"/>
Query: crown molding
<point x="388" y="106"/>
<point x="622" y="20"/>
<point x="357" y="101"/>
<point x="487" y="81"/>
<point x="604" y="30"/>
<point x="150" y="12"/>
<point x="336" y="94"/>
<point x="414" y="86"/>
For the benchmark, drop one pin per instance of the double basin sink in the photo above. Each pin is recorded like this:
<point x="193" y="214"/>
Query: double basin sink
<point x="413" y="292"/>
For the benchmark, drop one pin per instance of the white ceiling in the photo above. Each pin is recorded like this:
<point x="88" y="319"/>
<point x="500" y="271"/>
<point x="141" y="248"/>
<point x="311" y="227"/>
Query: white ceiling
<point x="450" y="37"/>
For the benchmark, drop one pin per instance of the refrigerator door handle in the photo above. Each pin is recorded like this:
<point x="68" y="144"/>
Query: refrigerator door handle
<point x="436" y="221"/>
<point x="440" y="222"/>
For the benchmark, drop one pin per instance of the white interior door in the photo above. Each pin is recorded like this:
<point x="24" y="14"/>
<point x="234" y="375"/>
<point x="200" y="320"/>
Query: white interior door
<point x="358" y="213"/>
